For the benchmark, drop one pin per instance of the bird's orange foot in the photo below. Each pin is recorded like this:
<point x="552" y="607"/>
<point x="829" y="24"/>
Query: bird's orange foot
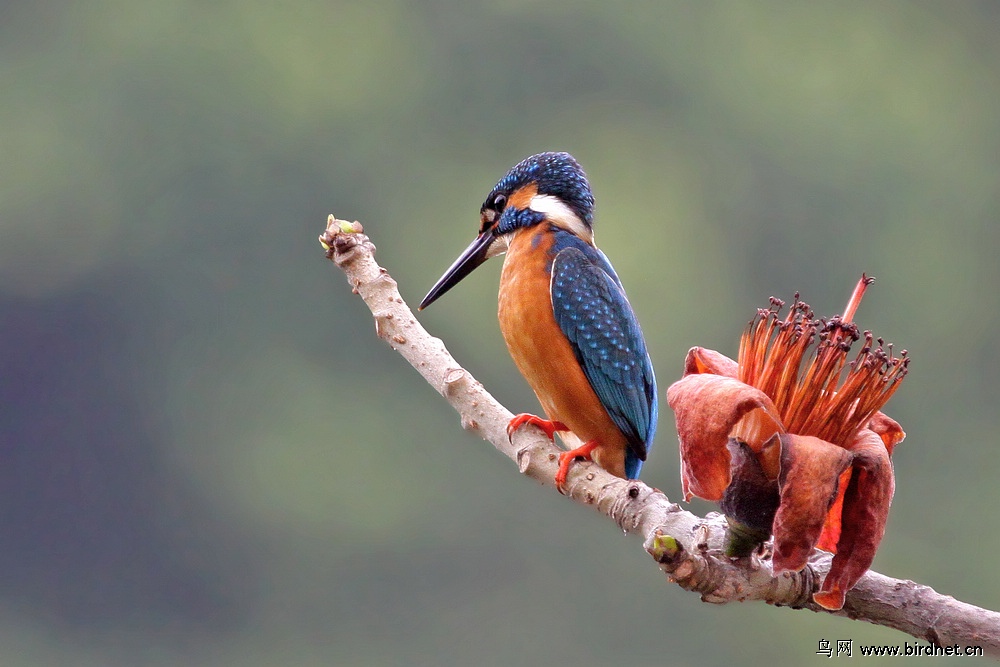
<point x="566" y="459"/>
<point x="547" y="426"/>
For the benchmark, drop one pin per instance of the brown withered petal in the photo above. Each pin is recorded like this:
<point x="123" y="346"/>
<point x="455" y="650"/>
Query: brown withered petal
<point x="810" y="469"/>
<point x="831" y="529"/>
<point x="888" y="429"/>
<point x="891" y="434"/>
<point x="707" y="409"/>
<point x="704" y="360"/>
<point x="863" y="519"/>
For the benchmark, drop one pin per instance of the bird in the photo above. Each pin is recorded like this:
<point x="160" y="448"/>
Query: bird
<point x="564" y="316"/>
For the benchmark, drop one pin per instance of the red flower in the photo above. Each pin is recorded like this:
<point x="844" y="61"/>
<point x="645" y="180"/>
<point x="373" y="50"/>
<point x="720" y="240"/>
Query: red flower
<point x="791" y="439"/>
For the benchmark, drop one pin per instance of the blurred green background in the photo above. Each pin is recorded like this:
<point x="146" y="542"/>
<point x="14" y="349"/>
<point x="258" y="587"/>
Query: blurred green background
<point x="206" y="456"/>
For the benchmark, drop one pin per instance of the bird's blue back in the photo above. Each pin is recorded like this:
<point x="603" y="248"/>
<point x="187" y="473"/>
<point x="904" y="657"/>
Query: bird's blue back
<point x="593" y="312"/>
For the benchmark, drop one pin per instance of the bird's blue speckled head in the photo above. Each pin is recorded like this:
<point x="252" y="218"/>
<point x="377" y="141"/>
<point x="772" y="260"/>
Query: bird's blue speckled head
<point x="556" y="175"/>
<point x="545" y="187"/>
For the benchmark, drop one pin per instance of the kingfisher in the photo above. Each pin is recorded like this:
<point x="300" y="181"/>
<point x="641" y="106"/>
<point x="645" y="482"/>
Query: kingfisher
<point x="564" y="316"/>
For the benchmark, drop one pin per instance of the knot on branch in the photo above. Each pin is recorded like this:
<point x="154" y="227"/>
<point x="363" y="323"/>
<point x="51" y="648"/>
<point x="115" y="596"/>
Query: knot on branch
<point x="631" y="502"/>
<point x="452" y="381"/>
<point x="343" y="240"/>
<point x="691" y="571"/>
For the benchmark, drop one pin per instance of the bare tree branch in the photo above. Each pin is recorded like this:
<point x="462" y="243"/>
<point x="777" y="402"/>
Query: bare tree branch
<point x="687" y="547"/>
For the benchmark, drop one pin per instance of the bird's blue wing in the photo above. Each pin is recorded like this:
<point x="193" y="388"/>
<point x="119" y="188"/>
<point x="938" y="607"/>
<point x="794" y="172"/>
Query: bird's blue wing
<point x="592" y="310"/>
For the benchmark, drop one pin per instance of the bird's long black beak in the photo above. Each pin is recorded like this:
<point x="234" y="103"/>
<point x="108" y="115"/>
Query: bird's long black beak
<point x="471" y="257"/>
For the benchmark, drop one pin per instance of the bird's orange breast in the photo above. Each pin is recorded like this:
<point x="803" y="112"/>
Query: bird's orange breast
<point x="542" y="352"/>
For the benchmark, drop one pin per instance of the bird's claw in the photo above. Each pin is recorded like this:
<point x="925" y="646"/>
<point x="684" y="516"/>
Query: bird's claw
<point x="566" y="459"/>
<point x="548" y="427"/>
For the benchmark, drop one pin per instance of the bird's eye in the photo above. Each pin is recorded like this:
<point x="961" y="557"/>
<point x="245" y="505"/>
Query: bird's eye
<point x="499" y="202"/>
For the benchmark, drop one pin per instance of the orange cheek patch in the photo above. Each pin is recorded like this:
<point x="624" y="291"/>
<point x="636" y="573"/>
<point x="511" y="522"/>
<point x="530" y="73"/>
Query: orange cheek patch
<point x="521" y="198"/>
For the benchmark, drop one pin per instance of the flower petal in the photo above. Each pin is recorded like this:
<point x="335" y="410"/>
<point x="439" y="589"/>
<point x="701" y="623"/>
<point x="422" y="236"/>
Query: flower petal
<point x="707" y="407"/>
<point x="704" y="360"/>
<point x="831" y="529"/>
<point x="865" y="512"/>
<point x="888" y="429"/>
<point x="891" y="434"/>
<point x="810" y="472"/>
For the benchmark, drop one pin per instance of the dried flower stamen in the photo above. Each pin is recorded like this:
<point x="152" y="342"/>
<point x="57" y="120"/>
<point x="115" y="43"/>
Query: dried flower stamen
<point x="823" y="394"/>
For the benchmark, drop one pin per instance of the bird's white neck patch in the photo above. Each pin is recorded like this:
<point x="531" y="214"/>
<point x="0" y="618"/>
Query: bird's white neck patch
<point x="561" y="215"/>
<point x="499" y="245"/>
